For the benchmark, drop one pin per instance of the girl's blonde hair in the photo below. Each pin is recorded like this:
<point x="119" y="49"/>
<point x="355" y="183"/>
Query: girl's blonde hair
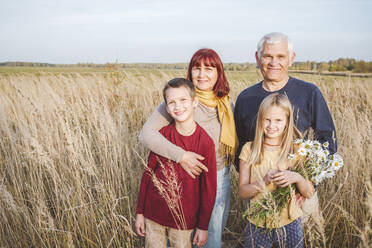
<point x="290" y="132"/>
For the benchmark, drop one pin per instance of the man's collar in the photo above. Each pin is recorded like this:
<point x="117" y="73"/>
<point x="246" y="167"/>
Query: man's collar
<point x="272" y="87"/>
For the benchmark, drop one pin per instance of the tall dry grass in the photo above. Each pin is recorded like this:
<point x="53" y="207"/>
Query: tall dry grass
<point x="70" y="161"/>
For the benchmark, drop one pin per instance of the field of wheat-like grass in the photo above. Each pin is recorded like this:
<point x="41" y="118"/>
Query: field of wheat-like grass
<point x="71" y="163"/>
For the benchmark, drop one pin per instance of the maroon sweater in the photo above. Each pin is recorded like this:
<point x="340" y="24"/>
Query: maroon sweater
<point x="197" y="195"/>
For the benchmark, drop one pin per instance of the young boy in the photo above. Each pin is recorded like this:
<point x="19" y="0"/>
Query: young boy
<point x="156" y="216"/>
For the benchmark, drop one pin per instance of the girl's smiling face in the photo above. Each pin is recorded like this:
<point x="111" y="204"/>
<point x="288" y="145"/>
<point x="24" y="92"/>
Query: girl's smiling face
<point x="274" y="124"/>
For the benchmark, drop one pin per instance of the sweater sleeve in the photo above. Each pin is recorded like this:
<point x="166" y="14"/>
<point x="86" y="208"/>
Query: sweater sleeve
<point x="155" y="141"/>
<point x="208" y="188"/>
<point x="322" y="122"/>
<point x="146" y="178"/>
<point x="239" y="132"/>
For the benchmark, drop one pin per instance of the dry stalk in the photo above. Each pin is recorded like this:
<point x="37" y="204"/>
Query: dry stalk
<point x="171" y="190"/>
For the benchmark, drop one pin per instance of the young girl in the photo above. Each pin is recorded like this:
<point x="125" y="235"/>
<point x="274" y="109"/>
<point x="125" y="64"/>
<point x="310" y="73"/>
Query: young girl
<point x="263" y="168"/>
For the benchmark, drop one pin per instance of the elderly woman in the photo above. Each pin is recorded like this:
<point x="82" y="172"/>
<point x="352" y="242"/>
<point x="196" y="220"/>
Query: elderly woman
<point x="214" y="114"/>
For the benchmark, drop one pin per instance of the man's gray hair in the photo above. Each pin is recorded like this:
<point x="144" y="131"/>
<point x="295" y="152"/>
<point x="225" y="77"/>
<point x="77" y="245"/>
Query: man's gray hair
<point x="274" y="38"/>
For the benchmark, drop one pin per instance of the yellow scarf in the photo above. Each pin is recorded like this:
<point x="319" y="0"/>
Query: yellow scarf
<point x="228" y="138"/>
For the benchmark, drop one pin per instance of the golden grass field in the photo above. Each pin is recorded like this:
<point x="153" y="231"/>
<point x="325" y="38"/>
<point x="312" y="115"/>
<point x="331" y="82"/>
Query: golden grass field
<point x="70" y="160"/>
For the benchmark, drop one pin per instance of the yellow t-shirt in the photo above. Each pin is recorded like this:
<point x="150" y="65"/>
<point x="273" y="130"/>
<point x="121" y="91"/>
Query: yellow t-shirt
<point x="291" y="212"/>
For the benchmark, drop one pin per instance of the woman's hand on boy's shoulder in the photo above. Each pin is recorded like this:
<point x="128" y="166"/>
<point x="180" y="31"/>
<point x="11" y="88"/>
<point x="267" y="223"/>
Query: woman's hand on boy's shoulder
<point x="191" y="164"/>
<point x="140" y="225"/>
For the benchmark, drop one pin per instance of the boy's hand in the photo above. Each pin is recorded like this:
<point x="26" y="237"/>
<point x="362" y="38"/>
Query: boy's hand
<point x="140" y="225"/>
<point x="200" y="238"/>
<point x="191" y="164"/>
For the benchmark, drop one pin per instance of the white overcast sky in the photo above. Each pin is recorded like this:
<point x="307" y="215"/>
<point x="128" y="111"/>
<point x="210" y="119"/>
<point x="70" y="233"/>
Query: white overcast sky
<point x="72" y="31"/>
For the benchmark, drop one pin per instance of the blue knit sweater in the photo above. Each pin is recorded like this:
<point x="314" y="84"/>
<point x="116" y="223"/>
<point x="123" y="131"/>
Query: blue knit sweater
<point x="310" y="111"/>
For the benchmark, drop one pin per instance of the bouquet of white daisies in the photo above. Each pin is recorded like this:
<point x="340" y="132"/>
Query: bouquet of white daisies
<point x="313" y="161"/>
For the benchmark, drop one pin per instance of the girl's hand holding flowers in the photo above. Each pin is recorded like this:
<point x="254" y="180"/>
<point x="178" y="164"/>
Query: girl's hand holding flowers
<point x="269" y="176"/>
<point x="283" y="178"/>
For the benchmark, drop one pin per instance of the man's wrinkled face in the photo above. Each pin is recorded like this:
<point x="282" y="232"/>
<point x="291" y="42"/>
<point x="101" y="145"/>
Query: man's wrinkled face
<point x="275" y="61"/>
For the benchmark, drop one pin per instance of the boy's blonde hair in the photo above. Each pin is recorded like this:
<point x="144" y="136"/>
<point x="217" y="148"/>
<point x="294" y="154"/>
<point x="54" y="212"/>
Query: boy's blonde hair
<point x="290" y="132"/>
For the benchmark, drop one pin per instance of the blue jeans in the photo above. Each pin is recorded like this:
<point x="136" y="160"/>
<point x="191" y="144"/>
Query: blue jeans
<point x="289" y="236"/>
<point x="220" y="211"/>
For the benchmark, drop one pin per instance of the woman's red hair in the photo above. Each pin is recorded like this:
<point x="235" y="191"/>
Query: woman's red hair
<point x="209" y="57"/>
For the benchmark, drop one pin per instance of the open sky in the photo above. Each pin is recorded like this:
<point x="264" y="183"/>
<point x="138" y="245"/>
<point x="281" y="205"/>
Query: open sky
<point x="72" y="31"/>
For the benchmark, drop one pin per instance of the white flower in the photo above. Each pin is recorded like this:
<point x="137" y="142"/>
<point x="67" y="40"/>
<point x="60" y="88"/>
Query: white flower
<point x="291" y="156"/>
<point x="308" y="143"/>
<point x="316" y="180"/>
<point x="322" y="155"/>
<point x="330" y="174"/>
<point x="322" y="175"/>
<point x="326" y="144"/>
<point x="317" y="144"/>
<point x="337" y="162"/>
<point x="326" y="152"/>
<point x="302" y="151"/>
<point x="319" y="178"/>
<point x="298" y="141"/>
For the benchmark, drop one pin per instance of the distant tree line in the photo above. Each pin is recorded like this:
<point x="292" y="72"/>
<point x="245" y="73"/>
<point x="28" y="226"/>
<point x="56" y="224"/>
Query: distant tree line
<point x="27" y="64"/>
<point x="342" y="64"/>
<point x="339" y="65"/>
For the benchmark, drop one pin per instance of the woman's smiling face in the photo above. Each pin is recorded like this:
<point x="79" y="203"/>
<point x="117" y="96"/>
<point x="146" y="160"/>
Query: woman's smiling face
<point x="204" y="77"/>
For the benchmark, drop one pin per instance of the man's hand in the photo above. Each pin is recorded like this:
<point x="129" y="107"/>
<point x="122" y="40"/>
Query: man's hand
<point x="200" y="238"/>
<point x="300" y="200"/>
<point x="191" y="164"/>
<point x="140" y="225"/>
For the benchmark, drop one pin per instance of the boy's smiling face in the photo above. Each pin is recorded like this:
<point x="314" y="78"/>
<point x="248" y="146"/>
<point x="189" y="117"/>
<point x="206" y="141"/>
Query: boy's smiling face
<point x="180" y="104"/>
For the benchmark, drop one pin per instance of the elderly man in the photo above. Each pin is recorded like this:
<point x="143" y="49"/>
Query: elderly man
<point x="274" y="55"/>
